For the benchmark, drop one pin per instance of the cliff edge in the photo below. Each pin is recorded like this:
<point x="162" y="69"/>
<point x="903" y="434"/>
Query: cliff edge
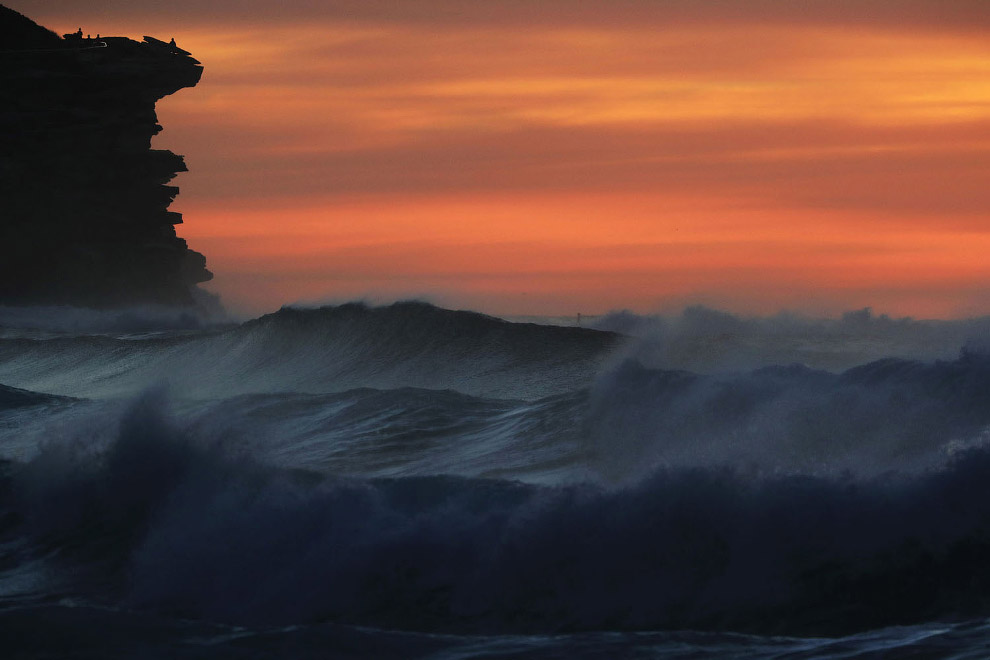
<point x="84" y="199"/>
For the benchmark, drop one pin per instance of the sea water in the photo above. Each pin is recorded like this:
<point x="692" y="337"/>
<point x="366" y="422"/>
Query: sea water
<point x="412" y="482"/>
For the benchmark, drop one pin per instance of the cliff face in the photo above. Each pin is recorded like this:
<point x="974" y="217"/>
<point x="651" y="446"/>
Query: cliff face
<point x="84" y="199"/>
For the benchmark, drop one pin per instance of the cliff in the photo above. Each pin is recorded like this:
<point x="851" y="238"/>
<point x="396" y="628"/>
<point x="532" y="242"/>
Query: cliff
<point x="84" y="199"/>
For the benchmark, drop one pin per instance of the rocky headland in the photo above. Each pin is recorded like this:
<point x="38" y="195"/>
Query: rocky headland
<point x="84" y="199"/>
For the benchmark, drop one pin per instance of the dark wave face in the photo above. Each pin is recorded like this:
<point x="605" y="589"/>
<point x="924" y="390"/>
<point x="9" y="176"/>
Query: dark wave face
<point x="407" y="432"/>
<point x="427" y="483"/>
<point x="13" y="398"/>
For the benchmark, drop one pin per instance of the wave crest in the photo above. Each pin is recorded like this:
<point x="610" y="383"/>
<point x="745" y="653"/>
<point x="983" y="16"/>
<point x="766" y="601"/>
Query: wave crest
<point x="330" y="349"/>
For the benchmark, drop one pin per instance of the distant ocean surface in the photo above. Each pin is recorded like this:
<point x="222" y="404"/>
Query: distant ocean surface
<point x="413" y="482"/>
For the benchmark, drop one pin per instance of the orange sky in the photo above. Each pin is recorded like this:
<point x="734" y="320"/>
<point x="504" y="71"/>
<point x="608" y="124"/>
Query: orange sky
<point x="581" y="156"/>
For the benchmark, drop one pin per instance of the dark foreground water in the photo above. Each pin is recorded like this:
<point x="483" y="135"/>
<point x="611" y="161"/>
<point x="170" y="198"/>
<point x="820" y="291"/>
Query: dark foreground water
<point x="409" y="482"/>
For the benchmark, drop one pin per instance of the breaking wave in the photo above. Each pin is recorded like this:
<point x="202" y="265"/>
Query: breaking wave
<point x="707" y="340"/>
<point x="164" y="521"/>
<point x="887" y="415"/>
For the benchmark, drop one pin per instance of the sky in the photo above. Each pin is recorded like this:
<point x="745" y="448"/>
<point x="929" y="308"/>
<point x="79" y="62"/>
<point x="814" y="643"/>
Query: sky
<point x="566" y="156"/>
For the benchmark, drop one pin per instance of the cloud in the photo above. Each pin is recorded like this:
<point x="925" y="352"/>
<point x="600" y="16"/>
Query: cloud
<point x="905" y="174"/>
<point x="813" y="119"/>
<point x="925" y="15"/>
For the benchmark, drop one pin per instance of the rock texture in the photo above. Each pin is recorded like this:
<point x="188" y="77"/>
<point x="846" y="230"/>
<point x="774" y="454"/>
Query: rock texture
<point x="84" y="199"/>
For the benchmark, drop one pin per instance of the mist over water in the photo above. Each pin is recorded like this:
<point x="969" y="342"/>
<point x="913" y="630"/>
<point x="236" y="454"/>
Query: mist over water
<point x="702" y="339"/>
<point x="516" y="489"/>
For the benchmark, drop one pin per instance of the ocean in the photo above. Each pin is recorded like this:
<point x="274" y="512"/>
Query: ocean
<point x="407" y="481"/>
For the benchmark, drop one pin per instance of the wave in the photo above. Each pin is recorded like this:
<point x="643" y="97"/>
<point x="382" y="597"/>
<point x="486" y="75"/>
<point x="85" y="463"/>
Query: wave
<point x="363" y="432"/>
<point x="13" y="398"/>
<point x="886" y="415"/>
<point x="53" y="321"/>
<point x="707" y="340"/>
<point x="406" y="432"/>
<point x="331" y="349"/>
<point x="162" y="520"/>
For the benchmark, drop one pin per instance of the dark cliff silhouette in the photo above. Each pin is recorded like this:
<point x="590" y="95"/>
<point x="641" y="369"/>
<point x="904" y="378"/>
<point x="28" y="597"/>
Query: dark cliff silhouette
<point x="84" y="199"/>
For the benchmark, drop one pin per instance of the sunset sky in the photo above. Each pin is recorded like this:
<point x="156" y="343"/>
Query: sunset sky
<point x="554" y="157"/>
